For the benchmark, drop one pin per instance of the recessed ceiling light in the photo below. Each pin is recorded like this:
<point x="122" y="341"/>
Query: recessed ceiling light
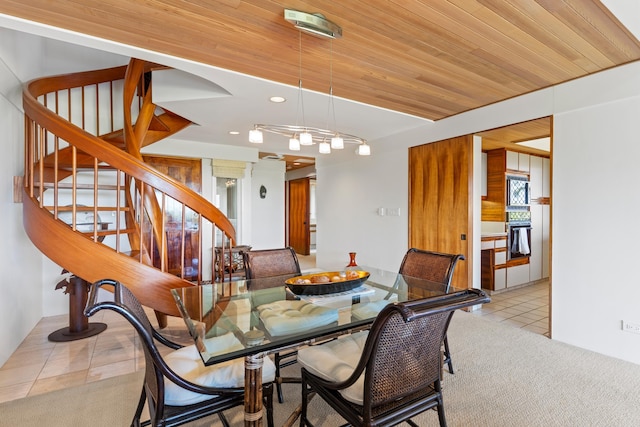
<point x="234" y="132"/>
<point x="277" y="99"/>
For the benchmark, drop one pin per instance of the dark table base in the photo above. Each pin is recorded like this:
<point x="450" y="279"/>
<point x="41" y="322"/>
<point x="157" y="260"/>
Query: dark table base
<point x="65" y="334"/>
<point x="79" y="326"/>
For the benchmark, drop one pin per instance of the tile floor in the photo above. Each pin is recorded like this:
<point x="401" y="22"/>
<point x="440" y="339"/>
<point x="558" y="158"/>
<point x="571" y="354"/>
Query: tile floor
<point x="39" y="366"/>
<point x="526" y="307"/>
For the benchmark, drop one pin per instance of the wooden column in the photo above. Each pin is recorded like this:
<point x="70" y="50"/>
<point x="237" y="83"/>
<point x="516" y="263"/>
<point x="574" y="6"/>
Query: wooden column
<point x="253" y="390"/>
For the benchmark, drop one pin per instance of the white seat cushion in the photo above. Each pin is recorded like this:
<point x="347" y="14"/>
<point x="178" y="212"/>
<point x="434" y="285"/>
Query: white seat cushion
<point x="186" y="362"/>
<point x="291" y="316"/>
<point x="335" y="361"/>
<point x="367" y="310"/>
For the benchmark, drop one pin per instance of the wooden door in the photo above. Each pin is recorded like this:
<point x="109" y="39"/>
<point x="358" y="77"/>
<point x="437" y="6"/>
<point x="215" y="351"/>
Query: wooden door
<point x="299" y="211"/>
<point x="440" y="201"/>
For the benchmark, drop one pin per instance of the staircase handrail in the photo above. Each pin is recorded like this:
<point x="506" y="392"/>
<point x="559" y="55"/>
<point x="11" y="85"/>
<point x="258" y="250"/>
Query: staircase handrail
<point x="44" y="169"/>
<point x="96" y="147"/>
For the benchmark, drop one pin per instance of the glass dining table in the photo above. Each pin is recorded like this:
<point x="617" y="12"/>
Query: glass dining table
<point x="266" y="317"/>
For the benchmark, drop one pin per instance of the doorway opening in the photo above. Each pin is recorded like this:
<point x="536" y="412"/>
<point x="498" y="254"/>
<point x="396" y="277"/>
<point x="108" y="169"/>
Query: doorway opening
<point x="227" y="198"/>
<point x="521" y="285"/>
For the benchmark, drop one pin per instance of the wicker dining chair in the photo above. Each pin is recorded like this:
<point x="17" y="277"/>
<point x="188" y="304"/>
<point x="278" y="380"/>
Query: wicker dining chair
<point x="436" y="267"/>
<point x="178" y="388"/>
<point x="390" y="373"/>
<point x="266" y="263"/>
<point x="274" y="263"/>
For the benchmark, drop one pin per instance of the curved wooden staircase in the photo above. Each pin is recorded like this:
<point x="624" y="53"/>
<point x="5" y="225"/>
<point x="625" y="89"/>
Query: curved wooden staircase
<point x="93" y="206"/>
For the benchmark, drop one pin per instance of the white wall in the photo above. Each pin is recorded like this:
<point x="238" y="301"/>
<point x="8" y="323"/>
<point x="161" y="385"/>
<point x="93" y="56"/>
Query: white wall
<point x="267" y="215"/>
<point x="28" y="278"/>
<point x="594" y="201"/>
<point x="348" y="196"/>
<point x="20" y="262"/>
<point x="595" y="236"/>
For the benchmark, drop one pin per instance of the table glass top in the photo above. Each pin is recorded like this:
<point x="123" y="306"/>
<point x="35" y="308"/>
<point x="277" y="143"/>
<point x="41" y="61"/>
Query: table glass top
<point x="234" y="319"/>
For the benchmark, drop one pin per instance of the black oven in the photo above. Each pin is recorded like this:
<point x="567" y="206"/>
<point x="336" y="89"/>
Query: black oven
<point x="519" y="241"/>
<point x="518" y="234"/>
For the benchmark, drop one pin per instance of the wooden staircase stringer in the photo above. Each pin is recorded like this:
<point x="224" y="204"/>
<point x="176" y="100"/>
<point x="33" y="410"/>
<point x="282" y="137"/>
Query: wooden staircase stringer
<point x="92" y="262"/>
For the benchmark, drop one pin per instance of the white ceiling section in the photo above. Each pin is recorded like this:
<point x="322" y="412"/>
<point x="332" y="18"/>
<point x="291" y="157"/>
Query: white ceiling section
<point x="543" y="144"/>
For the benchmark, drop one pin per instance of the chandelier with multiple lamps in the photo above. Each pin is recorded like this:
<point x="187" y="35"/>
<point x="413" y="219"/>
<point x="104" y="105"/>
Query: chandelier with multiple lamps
<point x="302" y="135"/>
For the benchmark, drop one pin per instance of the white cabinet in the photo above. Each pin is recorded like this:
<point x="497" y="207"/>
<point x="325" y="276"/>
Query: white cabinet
<point x="540" y="177"/>
<point x="546" y="177"/>
<point x="539" y="185"/>
<point x="512" y="160"/>
<point x="500" y="279"/>
<point x="523" y="162"/>
<point x="535" y="260"/>
<point x="517" y="161"/>
<point x="517" y="275"/>
<point x="539" y="259"/>
<point x="487" y="244"/>
<point x="535" y="177"/>
<point x="484" y="175"/>
<point x="546" y="227"/>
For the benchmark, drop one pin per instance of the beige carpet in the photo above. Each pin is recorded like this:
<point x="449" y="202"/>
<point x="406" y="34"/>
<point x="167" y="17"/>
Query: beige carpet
<point x="504" y="377"/>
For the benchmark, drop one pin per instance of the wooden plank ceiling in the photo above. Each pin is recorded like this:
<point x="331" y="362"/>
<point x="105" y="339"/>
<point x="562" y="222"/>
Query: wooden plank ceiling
<point x="429" y="58"/>
<point x="508" y="136"/>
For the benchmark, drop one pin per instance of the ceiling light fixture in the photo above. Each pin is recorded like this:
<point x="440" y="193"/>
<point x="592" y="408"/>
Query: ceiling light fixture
<point x="303" y="135"/>
<point x="364" y="149"/>
<point x="313" y="23"/>
<point x="255" y="135"/>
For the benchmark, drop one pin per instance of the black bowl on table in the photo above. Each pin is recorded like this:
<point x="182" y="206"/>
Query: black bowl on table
<point x="312" y="284"/>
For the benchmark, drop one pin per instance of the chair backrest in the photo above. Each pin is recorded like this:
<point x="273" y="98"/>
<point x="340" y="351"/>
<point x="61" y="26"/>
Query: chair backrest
<point x="265" y="263"/>
<point x="402" y="354"/>
<point x="434" y="266"/>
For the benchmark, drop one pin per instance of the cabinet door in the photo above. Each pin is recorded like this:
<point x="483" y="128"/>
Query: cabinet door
<point x="484" y="175"/>
<point x="486" y="244"/>
<point x="523" y="162"/>
<point x="512" y="160"/>
<point x="535" y="177"/>
<point x="537" y="253"/>
<point x="500" y="279"/>
<point x="546" y="227"/>
<point x="546" y="177"/>
<point x="517" y="275"/>
<point x="517" y="161"/>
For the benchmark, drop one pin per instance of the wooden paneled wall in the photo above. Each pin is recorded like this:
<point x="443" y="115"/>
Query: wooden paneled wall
<point x="493" y="207"/>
